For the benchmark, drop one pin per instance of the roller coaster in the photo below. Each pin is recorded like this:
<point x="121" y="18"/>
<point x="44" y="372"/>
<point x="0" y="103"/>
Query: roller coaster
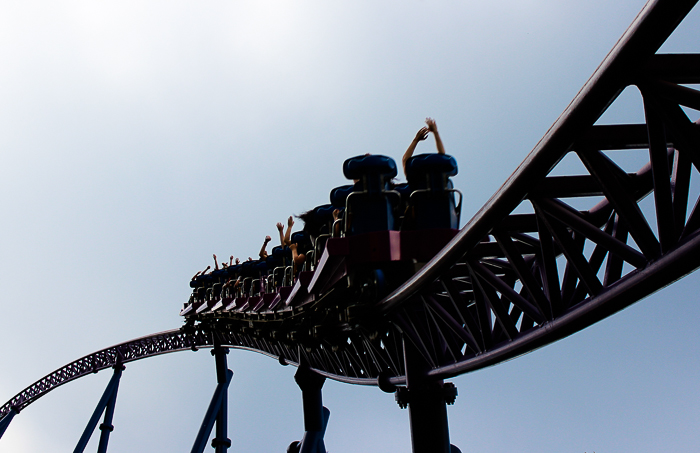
<point x="393" y="295"/>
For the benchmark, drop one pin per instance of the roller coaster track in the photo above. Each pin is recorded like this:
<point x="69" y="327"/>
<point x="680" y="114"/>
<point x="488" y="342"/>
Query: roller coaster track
<point x="552" y="252"/>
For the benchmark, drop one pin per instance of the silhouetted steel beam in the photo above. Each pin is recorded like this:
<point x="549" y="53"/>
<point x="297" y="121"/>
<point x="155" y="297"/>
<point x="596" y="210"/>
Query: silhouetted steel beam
<point x="621" y="66"/>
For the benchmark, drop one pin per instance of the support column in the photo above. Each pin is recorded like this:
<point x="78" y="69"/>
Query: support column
<point x="221" y="442"/>
<point x="106" y="404"/>
<point x="106" y="426"/>
<point x="5" y="422"/>
<point x="426" y="400"/>
<point x="212" y="415"/>
<point x="315" y="415"/>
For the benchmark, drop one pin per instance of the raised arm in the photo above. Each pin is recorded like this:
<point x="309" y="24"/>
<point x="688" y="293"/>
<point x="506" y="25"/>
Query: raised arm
<point x="297" y="257"/>
<point x="421" y="135"/>
<point x="432" y="127"/>
<point x="280" y="230"/>
<point x="288" y="233"/>
<point x="263" y="252"/>
<point x="216" y="263"/>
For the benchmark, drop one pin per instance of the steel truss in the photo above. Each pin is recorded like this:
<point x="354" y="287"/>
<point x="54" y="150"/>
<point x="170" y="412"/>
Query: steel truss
<point x="579" y="248"/>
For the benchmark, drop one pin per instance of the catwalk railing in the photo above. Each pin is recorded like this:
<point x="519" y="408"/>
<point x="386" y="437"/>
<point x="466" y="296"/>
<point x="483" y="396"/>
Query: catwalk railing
<point x="552" y="252"/>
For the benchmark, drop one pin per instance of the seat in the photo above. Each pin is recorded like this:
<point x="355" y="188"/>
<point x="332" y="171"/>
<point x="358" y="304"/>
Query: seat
<point x="340" y="194"/>
<point x="371" y="204"/>
<point x="324" y="216"/>
<point x="303" y="241"/>
<point x="432" y="201"/>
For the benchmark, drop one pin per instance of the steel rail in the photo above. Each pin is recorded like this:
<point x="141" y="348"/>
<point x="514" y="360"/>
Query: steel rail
<point x="629" y="62"/>
<point x="646" y="34"/>
<point x="176" y="340"/>
<point x="625" y="292"/>
<point x="369" y="354"/>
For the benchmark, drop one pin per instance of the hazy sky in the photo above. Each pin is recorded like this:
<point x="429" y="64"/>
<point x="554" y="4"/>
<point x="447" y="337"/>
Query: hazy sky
<point x="138" y="138"/>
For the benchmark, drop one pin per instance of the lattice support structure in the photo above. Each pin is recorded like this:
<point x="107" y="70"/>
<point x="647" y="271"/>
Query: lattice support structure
<point x="552" y="252"/>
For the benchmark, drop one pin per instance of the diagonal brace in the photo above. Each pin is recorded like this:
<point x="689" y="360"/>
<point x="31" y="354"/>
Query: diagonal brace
<point x="106" y="402"/>
<point x="5" y="422"/>
<point x="211" y="414"/>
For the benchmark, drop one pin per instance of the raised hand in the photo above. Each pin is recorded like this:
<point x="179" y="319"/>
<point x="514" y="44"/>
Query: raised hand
<point x="432" y="125"/>
<point x="290" y="221"/>
<point x="422" y="134"/>
<point x="280" y="227"/>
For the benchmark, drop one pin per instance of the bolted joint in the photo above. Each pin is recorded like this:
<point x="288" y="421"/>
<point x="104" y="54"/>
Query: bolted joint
<point x="449" y="392"/>
<point x="384" y="383"/>
<point x="216" y="442"/>
<point x="402" y="397"/>
<point x="215" y="350"/>
<point x="308" y="380"/>
<point x="106" y="427"/>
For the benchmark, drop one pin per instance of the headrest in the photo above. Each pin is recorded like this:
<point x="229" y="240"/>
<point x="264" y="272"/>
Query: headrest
<point x="324" y="213"/>
<point x="218" y="273"/>
<point x="404" y="189"/>
<point x="299" y="237"/>
<point x="422" y="164"/>
<point x="356" y="167"/>
<point x="303" y="241"/>
<point x="339" y="195"/>
<point x="281" y="252"/>
<point x="204" y="280"/>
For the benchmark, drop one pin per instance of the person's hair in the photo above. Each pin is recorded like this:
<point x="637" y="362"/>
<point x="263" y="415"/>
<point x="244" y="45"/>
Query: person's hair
<point x="311" y="223"/>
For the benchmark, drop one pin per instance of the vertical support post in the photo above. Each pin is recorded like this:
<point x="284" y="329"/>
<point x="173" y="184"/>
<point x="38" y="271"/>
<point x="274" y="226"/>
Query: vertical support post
<point x="210" y="417"/>
<point x="315" y="415"/>
<point x="426" y="402"/>
<point x="107" y="427"/>
<point x="218" y="407"/>
<point x="221" y="442"/>
<point x="109" y="396"/>
<point x="5" y="422"/>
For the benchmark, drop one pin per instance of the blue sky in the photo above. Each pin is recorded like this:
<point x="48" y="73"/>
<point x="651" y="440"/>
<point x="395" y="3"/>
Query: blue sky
<point x="138" y="138"/>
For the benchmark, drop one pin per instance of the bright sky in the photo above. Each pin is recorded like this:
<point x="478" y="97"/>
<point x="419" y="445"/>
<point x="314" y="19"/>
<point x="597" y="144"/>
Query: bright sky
<point x="138" y="138"/>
